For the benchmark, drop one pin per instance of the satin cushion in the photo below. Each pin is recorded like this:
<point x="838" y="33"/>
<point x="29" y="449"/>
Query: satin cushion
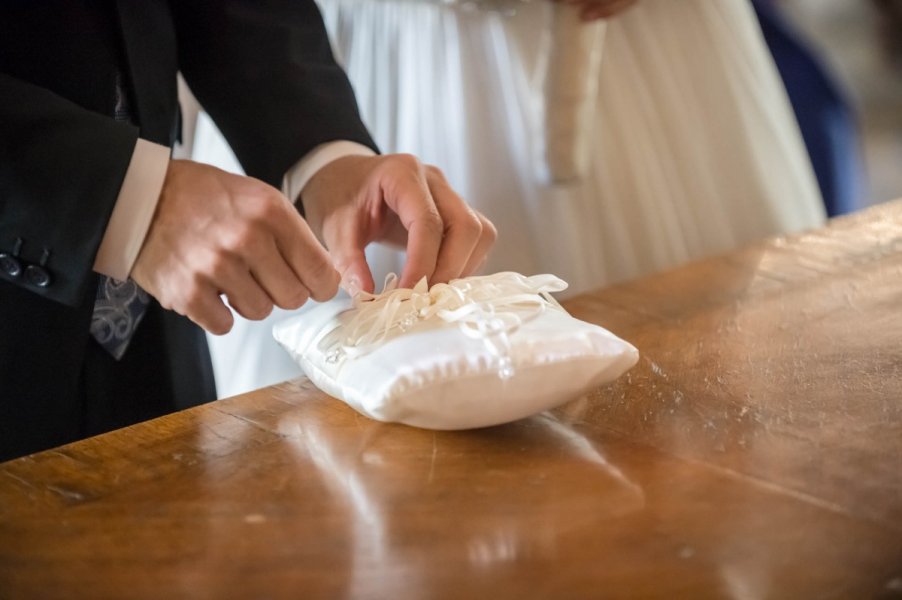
<point x="434" y="376"/>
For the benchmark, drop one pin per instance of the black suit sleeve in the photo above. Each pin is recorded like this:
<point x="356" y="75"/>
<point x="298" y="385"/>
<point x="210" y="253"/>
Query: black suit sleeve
<point x="61" y="167"/>
<point x="265" y="72"/>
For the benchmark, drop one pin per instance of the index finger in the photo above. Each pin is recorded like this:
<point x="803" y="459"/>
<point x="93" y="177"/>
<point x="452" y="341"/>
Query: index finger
<point x="304" y="254"/>
<point x="407" y="194"/>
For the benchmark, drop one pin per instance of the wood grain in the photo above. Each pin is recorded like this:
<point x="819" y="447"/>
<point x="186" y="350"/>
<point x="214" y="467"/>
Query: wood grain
<point x="754" y="452"/>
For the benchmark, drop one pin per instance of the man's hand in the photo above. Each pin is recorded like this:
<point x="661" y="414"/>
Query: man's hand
<point x="216" y="233"/>
<point x="592" y="10"/>
<point x="355" y="200"/>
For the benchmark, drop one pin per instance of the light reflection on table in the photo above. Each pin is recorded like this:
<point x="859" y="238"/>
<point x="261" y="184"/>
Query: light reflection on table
<point x="754" y="452"/>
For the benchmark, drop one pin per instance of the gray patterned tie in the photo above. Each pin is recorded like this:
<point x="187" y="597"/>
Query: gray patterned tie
<point x="119" y="305"/>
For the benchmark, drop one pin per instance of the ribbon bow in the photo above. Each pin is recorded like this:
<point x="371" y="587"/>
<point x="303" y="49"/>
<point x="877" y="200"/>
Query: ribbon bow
<point x="490" y="308"/>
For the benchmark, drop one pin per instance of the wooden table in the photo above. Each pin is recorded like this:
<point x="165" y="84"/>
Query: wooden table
<point x="754" y="452"/>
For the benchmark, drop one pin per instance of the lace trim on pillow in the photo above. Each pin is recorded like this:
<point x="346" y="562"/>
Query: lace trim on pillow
<point x="490" y="308"/>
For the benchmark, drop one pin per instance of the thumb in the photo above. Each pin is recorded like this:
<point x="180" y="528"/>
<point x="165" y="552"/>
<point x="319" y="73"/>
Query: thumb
<point x="355" y="273"/>
<point x="346" y="244"/>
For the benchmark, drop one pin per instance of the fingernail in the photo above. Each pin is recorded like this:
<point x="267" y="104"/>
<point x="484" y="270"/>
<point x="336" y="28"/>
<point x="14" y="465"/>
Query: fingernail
<point x="351" y="285"/>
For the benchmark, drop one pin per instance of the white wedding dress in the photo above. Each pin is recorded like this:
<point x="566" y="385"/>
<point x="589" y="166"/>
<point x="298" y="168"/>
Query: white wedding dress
<point x="691" y="144"/>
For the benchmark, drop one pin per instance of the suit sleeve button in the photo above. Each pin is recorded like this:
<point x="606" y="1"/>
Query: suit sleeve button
<point x="38" y="276"/>
<point x="10" y="265"/>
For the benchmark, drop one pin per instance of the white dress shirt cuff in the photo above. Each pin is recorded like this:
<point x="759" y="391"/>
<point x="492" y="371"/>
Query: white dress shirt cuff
<point x="133" y="211"/>
<point x="304" y="170"/>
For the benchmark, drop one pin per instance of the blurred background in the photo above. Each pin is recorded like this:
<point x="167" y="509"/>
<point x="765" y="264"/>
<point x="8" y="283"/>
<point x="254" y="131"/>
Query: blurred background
<point x="859" y="42"/>
<point x="841" y="61"/>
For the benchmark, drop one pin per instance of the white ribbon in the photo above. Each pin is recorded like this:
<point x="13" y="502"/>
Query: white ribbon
<point x="490" y="308"/>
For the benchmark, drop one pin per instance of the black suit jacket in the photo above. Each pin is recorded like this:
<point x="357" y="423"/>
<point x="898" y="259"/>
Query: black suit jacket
<point x="264" y="71"/>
